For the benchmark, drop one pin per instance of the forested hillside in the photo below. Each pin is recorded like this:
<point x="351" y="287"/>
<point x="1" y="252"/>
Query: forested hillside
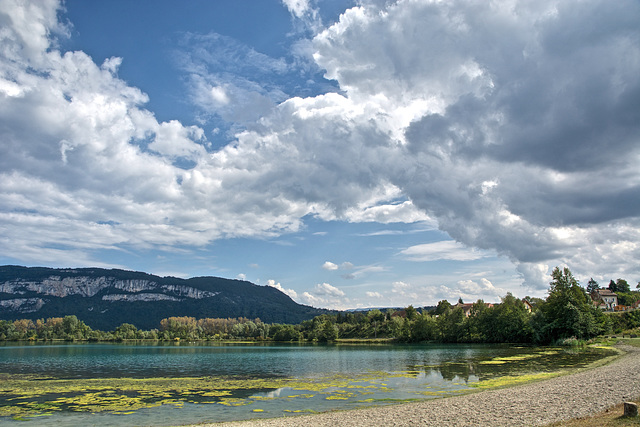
<point x="105" y="299"/>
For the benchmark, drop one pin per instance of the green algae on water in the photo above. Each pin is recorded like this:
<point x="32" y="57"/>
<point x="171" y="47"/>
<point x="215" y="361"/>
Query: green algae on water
<point x="24" y="397"/>
<point x="510" y="380"/>
<point x="29" y="396"/>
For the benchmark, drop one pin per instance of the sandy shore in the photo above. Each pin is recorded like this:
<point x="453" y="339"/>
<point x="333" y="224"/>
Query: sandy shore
<point x="540" y="403"/>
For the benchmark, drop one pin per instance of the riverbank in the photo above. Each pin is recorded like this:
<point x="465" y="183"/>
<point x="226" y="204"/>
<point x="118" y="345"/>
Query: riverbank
<point x="562" y="398"/>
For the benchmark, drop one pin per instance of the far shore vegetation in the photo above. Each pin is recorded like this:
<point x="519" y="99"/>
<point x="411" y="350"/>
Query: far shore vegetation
<point x="568" y="315"/>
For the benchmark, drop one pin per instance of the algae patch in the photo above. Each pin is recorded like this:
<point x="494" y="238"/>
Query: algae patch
<point x="509" y="380"/>
<point x="25" y="397"/>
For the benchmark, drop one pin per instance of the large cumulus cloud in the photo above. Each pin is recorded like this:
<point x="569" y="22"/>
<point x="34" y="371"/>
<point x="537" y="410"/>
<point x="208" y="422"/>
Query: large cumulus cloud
<point x="524" y="120"/>
<point x="514" y="125"/>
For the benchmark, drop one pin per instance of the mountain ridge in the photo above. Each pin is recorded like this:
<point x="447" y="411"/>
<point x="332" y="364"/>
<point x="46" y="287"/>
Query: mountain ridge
<point x="106" y="298"/>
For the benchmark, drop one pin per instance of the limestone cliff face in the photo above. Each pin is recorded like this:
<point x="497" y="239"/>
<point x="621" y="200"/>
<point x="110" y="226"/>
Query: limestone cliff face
<point x="84" y="286"/>
<point x="22" y="305"/>
<point x="188" y="291"/>
<point x="140" y="297"/>
<point x="57" y="286"/>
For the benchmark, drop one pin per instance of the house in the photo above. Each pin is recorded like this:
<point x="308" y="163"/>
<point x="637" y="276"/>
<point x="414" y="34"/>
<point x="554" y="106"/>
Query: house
<point x="604" y="299"/>
<point x="527" y="305"/>
<point x="466" y="308"/>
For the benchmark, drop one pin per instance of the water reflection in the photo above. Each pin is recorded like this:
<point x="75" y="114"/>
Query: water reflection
<point x="276" y="379"/>
<point x="265" y="361"/>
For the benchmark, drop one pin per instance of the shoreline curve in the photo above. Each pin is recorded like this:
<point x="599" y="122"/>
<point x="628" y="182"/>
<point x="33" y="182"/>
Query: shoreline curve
<point x="534" y="404"/>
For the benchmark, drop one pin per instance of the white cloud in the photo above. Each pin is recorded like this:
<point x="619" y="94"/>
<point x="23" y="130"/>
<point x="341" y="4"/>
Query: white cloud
<point x="400" y="286"/>
<point x="470" y="291"/>
<point x="305" y="14"/>
<point x="484" y="287"/>
<point x="403" y="291"/>
<point x="327" y="289"/>
<point x="219" y="95"/>
<point x="229" y="79"/>
<point x="290" y="292"/>
<point x="448" y="249"/>
<point x="241" y="276"/>
<point x="326" y="296"/>
<point x="328" y="265"/>
<point x="471" y="175"/>
<point x="309" y="299"/>
<point x="373" y="294"/>
<point x="535" y="275"/>
<point x="297" y="7"/>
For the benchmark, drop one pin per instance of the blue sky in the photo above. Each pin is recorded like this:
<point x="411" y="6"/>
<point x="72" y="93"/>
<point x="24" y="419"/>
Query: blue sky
<point x="351" y="153"/>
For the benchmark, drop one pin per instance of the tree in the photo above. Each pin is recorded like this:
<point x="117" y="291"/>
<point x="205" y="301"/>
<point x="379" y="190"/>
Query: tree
<point x="452" y="325"/>
<point x="126" y="331"/>
<point x="375" y="318"/>
<point x="567" y="312"/>
<point x="479" y="321"/>
<point x="622" y="286"/>
<point x="411" y="312"/>
<point x="613" y="287"/>
<point x="592" y="286"/>
<point x="285" y="333"/>
<point x="510" y="321"/>
<point x="424" y="328"/>
<point x="329" y="332"/>
<point x="442" y="307"/>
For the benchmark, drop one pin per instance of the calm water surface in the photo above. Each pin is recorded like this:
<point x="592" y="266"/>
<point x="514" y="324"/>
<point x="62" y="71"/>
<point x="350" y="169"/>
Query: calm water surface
<point x="346" y="376"/>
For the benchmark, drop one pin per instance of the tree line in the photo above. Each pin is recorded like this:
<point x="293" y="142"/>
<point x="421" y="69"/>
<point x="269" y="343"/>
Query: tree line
<point x="566" y="313"/>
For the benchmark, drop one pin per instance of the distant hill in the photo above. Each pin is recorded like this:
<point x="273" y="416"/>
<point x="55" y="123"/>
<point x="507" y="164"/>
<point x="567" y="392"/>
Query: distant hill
<point x="104" y="299"/>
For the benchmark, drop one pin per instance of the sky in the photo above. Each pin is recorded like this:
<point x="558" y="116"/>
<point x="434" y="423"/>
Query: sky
<point x="352" y="154"/>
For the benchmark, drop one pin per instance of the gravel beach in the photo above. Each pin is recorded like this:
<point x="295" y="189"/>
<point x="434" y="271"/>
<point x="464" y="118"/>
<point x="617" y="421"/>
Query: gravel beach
<point x="561" y="398"/>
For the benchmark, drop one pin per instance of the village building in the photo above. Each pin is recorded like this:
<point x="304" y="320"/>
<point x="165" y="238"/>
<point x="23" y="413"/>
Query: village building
<point x="605" y="299"/>
<point x="466" y="308"/>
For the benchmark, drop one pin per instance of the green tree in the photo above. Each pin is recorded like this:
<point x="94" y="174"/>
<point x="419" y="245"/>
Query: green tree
<point x="126" y="331"/>
<point x="442" y="307"/>
<point x="285" y="333"/>
<point x="424" y="328"/>
<point x="452" y="325"/>
<point x="622" y="286"/>
<point x="329" y="332"/>
<point x="567" y="312"/>
<point x="509" y="322"/>
<point x="613" y="287"/>
<point x="73" y="329"/>
<point x="375" y="318"/>
<point x="411" y="312"/>
<point x="478" y="322"/>
<point x="628" y="298"/>
<point x="592" y="286"/>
